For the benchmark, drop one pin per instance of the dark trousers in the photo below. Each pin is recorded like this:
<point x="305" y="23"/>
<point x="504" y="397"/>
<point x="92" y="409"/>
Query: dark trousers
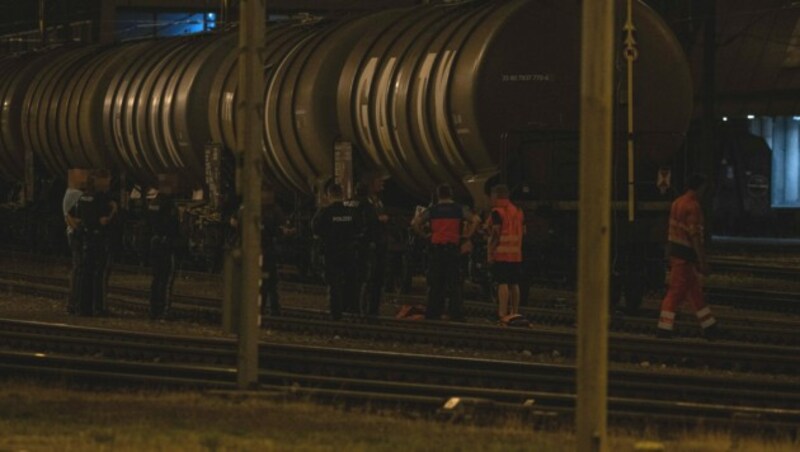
<point x="444" y="278"/>
<point x="74" y="243"/>
<point x="162" y="261"/>
<point x="341" y="274"/>
<point x="91" y="274"/>
<point x="270" y="303"/>
<point x="394" y="273"/>
<point x="376" y="275"/>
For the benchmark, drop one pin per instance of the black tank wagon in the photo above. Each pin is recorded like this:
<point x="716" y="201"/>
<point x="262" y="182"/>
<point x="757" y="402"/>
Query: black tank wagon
<point x="432" y="94"/>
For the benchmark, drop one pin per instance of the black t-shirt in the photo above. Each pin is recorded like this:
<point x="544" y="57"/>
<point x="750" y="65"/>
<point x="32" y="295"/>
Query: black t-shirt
<point x="163" y="215"/>
<point x="272" y="218"/>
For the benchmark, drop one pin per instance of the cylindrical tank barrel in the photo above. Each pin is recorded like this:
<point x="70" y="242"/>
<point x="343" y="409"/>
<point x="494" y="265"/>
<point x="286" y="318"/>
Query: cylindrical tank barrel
<point x="425" y="94"/>
<point x="156" y="107"/>
<point x="16" y="74"/>
<point x="429" y="93"/>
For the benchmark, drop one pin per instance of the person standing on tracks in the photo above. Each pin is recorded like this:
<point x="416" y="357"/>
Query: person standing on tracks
<point x="364" y="213"/>
<point x="506" y="230"/>
<point x="273" y="225"/>
<point x="444" y="270"/>
<point x="338" y="225"/>
<point x="71" y="196"/>
<point x="92" y="215"/>
<point x="164" y="219"/>
<point x="377" y="235"/>
<point x="687" y="260"/>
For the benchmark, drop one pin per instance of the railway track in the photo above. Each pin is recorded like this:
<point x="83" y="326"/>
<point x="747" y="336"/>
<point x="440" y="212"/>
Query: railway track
<point x="740" y="298"/>
<point x="545" y="391"/>
<point x="742" y="327"/>
<point x="539" y="341"/>
<point x="750" y="267"/>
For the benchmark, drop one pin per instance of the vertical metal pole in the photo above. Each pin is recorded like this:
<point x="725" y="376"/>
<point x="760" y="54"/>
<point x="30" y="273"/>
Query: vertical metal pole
<point x="597" y="60"/>
<point x="631" y="54"/>
<point x="103" y="29"/>
<point x="250" y="108"/>
<point x="42" y="25"/>
<point x="224" y="12"/>
<point x="709" y="156"/>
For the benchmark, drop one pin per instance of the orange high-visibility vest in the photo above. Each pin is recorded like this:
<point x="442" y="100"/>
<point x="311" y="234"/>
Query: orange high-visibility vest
<point x="685" y="221"/>
<point x="510" y="247"/>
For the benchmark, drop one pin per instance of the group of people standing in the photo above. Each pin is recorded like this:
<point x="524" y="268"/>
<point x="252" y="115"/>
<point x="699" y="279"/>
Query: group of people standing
<point x="355" y="247"/>
<point x="89" y="213"/>
<point x="353" y="236"/>
<point x="449" y="227"/>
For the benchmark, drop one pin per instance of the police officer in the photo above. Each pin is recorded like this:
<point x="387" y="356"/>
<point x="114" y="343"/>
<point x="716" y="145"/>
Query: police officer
<point x="444" y="273"/>
<point x="273" y="221"/>
<point x="378" y="237"/>
<point x="364" y="212"/>
<point x="92" y="215"/>
<point x="338" y="226"/>
<point x="164" y="220"/>
<point x="71" y="197"/>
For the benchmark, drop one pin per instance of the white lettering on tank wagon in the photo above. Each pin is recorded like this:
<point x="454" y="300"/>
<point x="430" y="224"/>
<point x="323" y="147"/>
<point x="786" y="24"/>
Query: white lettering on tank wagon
<point x="362" y="104"/>
<point x="420" y="116"/>
<point x="383" y="98"/>
<point x="528" y="77"/>
<point x="440" y="109"/>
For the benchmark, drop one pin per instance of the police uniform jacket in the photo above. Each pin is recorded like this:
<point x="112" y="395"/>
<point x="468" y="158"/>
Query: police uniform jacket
<point x="89" y="209"/>
<point x="338" y="225"/>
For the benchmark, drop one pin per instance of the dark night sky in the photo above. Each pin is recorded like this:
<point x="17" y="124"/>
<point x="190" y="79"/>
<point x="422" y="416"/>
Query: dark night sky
<point x="17" y="15"/>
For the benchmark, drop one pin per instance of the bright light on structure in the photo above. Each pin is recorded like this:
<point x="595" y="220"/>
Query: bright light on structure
<point x="725" y="118"/>
<point x="796" y="118"/>
<point x="751" y="116"/>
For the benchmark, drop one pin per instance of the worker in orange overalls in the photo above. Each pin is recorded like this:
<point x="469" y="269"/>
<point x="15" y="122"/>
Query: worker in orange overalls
<point x="687" y="260"/>
<point x="506" y="228"/>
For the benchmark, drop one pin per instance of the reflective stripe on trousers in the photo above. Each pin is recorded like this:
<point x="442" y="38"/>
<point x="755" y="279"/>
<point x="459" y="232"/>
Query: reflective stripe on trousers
<point x="684" y="283"/>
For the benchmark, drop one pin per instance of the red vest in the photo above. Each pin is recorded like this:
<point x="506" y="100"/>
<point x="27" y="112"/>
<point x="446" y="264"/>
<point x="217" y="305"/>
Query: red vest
<point x="510" y="247"/>
<point x="446" y="218"/>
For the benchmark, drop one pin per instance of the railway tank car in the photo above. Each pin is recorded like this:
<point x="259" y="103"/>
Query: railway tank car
<point x="426" y="95"/>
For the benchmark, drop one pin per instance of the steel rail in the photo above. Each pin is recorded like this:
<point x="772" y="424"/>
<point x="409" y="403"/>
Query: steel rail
<point x="549" y="341"/>
<point x="736" y="326"/>
<point x="371" y="375"/>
